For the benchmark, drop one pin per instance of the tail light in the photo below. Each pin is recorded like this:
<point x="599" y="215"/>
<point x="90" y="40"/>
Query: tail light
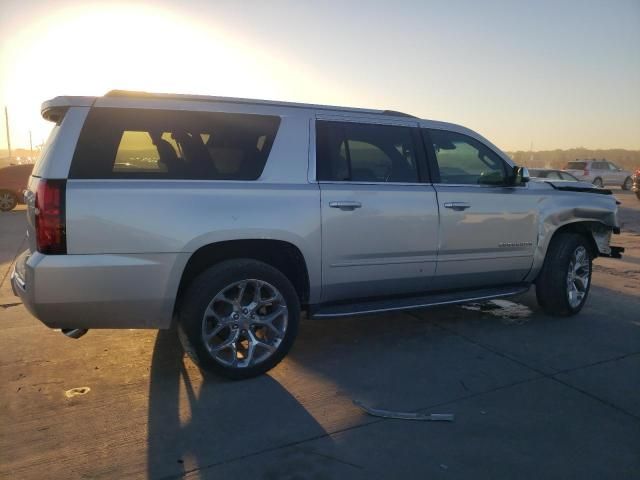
<point x="51" y="235"/>
<point x="586" y="172"/>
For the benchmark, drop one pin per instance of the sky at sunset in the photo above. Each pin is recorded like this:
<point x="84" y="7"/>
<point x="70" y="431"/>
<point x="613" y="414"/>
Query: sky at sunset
<point x="558" y="74"/>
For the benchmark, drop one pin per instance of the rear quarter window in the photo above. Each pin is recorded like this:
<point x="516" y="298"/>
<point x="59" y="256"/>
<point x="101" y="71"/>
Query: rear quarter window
<point x="42" y="157"/>
<point x="162" y="144"/>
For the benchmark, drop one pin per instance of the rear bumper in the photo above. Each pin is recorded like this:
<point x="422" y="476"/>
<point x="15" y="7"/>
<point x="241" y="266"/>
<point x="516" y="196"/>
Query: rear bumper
<point x="98" y="291"/>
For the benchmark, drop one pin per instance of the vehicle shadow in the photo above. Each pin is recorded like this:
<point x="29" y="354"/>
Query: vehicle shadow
<point x="197" y="421"/>
<point x="402" y="361"/>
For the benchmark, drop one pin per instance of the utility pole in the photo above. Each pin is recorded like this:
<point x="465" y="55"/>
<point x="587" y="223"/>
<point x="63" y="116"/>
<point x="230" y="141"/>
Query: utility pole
<point x="6" y="120"/>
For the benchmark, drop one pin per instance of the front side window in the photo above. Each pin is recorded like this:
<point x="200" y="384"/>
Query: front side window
<point x="463" y="160"/>
<point x="130" y="143"/>
<point x="365" y="153"/>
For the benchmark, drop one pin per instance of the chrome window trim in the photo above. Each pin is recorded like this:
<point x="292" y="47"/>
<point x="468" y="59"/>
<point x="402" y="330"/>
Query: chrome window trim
<point x="312" y="167"/>
<point x="404" y="184"/>
<point x="369" y="120"/>
<point x="523" y="185"/>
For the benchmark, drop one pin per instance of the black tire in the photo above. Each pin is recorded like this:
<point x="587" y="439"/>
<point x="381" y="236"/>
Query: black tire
<point x="8" y="200"/>
<point x="209" y="285"/>
<point x="552" y="289"/>
<point x="627" y="183"/>
<point x="598" y="182"/>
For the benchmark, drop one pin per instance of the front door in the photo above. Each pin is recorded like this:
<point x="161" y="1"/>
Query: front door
<point x="488" y="230"/>
<point x="379" y="220"/>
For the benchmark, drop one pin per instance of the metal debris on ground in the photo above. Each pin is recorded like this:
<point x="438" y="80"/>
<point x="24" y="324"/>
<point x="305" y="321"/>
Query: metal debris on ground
<point x="425" y="417"/>
<point x="77" y="391"/>
<point x="510" y="313"/>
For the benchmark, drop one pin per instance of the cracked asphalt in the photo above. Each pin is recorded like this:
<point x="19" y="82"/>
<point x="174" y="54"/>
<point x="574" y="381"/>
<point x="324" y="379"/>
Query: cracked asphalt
<point x="534" y="396"/>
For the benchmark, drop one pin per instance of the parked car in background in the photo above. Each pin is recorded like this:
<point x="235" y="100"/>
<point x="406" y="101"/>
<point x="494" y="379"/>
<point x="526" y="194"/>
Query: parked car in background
<point x="636" y="183"/>
<point x="14" y="179"/>
<point x="550" y="174"/>
<point x="600" y="173"/>
<point x="229" y="217"/>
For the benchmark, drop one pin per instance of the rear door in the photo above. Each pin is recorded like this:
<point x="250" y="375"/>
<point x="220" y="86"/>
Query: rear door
<point x="379" y="216"/>
<point x="487" y="228"/>
<point x="601" y="170"/>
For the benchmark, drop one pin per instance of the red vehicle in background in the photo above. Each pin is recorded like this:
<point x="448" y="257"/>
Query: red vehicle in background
<point x="13" y="181"/>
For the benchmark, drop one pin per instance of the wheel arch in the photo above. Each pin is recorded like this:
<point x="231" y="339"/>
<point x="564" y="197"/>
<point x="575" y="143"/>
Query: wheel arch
<point x="588" y="229"/>
<point x="596" y="232"/>
<point x="282" y="255"/>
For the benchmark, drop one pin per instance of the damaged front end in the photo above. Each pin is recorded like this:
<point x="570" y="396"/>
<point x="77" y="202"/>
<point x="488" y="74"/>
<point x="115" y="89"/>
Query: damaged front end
<point x="601" y="235"/>
<point x="581" y="208"/>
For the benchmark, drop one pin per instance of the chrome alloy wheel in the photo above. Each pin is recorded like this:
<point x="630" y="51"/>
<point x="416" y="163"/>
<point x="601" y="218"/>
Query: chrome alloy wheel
<point x="578" y="276"/>
<point x="245" y="323"/>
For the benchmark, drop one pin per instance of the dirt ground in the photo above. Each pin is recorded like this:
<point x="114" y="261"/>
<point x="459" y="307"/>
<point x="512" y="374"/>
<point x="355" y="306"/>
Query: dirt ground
<point x="534" y="396"/>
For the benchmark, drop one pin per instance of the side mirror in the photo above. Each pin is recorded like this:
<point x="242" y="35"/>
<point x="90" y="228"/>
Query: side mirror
<point x="520" y="175"/>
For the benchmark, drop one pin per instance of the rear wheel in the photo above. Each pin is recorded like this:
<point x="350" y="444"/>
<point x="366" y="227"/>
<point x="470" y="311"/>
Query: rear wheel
<point x="239" y="318"/>
<point x="563" y="284"/>
<point x="627" y="184"/>
<point x="8" y="200"/>
<point x="598" y="182"/>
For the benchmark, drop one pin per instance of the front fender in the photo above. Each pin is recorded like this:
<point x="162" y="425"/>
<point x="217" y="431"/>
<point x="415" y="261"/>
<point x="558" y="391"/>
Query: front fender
<point x="574" y="211"/>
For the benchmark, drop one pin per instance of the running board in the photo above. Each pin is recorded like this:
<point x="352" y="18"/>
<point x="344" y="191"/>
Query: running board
<point x="422" y="301"/>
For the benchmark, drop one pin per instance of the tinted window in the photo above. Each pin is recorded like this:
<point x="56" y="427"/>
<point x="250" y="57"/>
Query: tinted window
<point x="129" y="143"/>
<point x="536" y="173"/>
<point x="576" y="165"/>
<point x="365" y="153"/>
<point x="553" y="175"/>
<point x="567" y="176"/>
<point x="464" y="160"/>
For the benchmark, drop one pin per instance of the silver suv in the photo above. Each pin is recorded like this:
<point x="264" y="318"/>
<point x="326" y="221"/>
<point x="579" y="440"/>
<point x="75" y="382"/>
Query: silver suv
<point x="600" y="172"/>
<point x="230" y="217"/>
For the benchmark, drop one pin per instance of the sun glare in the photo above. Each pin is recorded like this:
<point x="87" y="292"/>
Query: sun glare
<point x="91" y="50"/>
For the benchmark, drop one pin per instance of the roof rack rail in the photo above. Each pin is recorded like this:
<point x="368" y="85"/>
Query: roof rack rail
<point x="208" y="98"/>
<point x="398" y="114"/>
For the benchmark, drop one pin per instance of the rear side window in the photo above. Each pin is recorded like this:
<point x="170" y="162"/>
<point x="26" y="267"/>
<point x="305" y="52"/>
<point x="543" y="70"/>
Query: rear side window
<point x="161" y="144"/>
<point x="356" y="152"/>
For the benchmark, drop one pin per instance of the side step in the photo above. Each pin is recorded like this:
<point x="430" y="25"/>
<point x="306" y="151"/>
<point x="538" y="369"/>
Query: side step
<point x="422" y="301"/>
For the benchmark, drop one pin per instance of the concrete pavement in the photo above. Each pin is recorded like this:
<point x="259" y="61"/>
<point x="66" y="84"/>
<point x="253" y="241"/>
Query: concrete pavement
<point x="534" y="396"/>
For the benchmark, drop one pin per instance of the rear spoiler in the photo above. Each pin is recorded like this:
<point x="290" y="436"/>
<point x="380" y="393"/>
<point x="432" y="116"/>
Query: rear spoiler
<point x="54" y="109"/>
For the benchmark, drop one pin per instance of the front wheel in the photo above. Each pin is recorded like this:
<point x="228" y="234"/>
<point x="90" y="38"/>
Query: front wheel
<point x="598" y="182"/>
<point x="627" y="183"/>
<point x="563" y="284"/>
<point x="239" y="318"/>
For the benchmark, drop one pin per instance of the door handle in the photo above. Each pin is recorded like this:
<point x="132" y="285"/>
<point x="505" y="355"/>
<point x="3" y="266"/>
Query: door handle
<point x="457" y="205"/>
<point x="345" y="205"/>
